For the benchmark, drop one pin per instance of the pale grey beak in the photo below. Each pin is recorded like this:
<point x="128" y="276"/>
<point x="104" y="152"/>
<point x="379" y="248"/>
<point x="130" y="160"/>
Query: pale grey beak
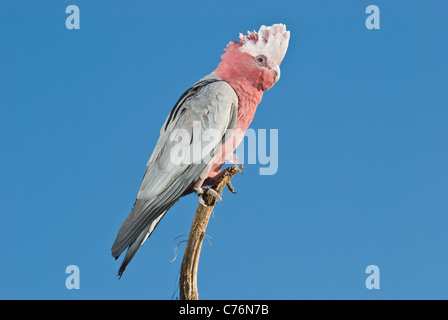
<point x="276" y="69"/>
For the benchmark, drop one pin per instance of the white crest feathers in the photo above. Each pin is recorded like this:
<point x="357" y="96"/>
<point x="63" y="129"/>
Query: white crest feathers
<point x="271" y="42"/>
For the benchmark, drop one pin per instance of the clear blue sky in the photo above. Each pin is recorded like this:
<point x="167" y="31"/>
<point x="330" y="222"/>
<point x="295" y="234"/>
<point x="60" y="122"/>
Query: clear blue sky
<point x="362" y="121"/>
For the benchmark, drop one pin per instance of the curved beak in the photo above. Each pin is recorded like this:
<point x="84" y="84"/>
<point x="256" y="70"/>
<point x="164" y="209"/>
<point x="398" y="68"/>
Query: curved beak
<point x="276" y="69"/>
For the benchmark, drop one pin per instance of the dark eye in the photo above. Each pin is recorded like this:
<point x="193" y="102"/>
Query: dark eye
<point x="261" y="60"/>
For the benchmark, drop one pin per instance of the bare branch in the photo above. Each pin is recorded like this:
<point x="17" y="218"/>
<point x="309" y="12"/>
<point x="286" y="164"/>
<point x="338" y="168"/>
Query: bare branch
<point x="189" y="268"/>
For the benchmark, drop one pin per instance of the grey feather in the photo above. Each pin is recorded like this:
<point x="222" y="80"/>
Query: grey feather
<point x="214" y="104"/>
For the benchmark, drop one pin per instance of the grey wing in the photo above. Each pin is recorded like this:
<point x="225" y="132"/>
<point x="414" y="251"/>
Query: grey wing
<point x="209" y="106"/>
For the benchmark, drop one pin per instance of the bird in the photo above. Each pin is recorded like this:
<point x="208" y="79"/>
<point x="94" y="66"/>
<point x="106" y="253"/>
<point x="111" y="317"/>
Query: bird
<point x="202" y="131"/>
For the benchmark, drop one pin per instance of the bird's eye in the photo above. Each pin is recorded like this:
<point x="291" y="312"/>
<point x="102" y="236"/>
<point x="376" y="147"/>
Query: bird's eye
<point x="261" y="60"/>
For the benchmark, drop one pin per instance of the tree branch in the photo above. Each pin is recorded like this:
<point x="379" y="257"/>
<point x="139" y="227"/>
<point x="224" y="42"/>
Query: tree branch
<point x="189" y="268"/>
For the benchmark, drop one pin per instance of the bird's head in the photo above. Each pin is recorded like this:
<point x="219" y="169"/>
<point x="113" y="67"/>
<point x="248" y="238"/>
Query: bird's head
<point x="256" y="58"/>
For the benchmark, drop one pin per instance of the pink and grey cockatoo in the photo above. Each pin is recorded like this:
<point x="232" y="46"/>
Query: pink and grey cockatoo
<point x="225" y="101"/>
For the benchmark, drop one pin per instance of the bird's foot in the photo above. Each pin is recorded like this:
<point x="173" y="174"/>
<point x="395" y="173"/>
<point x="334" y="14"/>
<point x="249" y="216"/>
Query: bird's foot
<point x="226" y="172"/>
<point x="207" y="190"/>
<point x="230" y="187"/>
<point x="238" y="168"/>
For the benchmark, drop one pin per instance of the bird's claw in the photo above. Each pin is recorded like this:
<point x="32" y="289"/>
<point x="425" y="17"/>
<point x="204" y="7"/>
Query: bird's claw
<point x="208" y="190"/>
<point x="213" y="193"/>
<point x="201" y="201"/>
<point x="230" y="187"/>
<point x="238" y="168"/>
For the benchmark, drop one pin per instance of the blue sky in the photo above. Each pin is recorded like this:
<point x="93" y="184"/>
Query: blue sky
<point x="362" y="177"/>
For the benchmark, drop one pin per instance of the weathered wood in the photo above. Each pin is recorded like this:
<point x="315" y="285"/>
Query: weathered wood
<point x="189" y="268"/>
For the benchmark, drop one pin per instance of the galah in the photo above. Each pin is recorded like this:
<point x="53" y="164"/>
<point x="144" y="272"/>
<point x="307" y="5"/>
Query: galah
<point x="223" y="101"/>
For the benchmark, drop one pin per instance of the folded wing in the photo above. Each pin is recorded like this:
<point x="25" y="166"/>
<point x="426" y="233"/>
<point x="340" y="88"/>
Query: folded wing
<point x="203" y="113"/>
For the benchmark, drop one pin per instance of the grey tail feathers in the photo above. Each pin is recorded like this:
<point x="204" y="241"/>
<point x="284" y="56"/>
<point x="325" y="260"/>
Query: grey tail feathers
<point x="141" y="238"/>
<point x="132" y="249"/>
<point x="134" y="246"/>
